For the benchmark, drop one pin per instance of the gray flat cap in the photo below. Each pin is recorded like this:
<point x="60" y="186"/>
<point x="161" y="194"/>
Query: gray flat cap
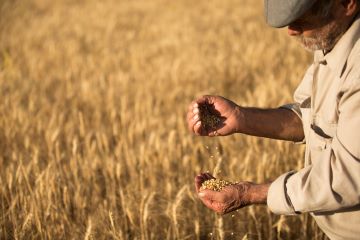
<point x="280" y="13"/>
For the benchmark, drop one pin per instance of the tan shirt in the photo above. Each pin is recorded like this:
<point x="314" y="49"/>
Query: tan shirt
<point x="328" y="102"/>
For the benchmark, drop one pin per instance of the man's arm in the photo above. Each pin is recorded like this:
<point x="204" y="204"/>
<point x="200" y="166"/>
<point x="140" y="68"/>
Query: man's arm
<point x="279" y="123"/>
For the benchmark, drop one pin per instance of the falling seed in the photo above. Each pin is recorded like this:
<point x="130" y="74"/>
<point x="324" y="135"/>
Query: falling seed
<point x="232" y="234"/>
<point x="233" y="215"/>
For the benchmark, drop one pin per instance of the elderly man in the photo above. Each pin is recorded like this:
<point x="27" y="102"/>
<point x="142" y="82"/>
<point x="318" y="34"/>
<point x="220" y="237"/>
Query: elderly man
<point x="325" y="115"/>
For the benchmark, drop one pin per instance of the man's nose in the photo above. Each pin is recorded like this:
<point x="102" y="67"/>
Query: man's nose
<point x="294" y="30"/>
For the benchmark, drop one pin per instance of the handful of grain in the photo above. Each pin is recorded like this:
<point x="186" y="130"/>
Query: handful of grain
<point x="215" y="184"/>
<point x="209" y="119"/>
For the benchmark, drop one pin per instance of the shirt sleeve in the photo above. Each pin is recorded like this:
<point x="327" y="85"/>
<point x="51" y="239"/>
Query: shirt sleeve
<point x="333" y="181"/>
<point x="295" y="107"/>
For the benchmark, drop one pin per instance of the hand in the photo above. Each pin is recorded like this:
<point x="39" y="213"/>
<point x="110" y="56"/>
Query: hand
<point x="226" y="113"/>
<point x="231" y="197"/>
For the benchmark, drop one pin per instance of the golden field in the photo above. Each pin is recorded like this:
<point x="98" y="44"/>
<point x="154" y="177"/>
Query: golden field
<point x="93" y="138"/>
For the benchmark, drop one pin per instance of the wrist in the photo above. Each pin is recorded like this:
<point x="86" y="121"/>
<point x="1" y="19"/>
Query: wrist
<point x="240" y="119"/>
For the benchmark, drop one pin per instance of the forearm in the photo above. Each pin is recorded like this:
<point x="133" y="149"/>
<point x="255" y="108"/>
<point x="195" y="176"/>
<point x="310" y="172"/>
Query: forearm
<point x="258" y="193"/>
<point x="276" y="123"/>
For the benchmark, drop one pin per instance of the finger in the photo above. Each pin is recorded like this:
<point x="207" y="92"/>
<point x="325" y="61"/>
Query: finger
<point x="189" y="116"/>
<point x="208" y="176"/>
<point x="201" y="100"/>
<point x="207" y="194"/>
<point x="192" y="109"/>
<point x="212" y="196"/>
<point x="202" y="177"/>
<point x="214" y="134"/>
<point x="194" y="124"/>
<point x="195" y="118"/>
<point x="205" y="99"/>
<point x="198" y="182"/>
<point x="197" y="128"/>
<point x="193" y="105"/>
<point x="191" y="120"/>
<point x="196" y="110"/>
<point x="209" y="198"/>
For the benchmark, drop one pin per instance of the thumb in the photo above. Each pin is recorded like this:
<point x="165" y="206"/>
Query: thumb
<point x="205" y="99"/>
<point x="214" y="134"/>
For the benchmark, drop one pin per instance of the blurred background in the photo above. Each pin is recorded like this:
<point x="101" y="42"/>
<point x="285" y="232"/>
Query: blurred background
<point x="94" y="94"/>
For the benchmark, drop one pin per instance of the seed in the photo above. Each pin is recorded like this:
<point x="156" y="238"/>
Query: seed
<point x="215" y="184"/>
<point x="210" y="120"/>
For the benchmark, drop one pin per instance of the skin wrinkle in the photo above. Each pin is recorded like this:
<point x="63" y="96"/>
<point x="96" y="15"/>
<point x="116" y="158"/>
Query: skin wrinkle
<point x="238" y="202"/>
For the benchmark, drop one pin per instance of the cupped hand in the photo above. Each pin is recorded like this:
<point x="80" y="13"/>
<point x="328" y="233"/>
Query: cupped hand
<point x="225" y="114"/>
<point x="230" y="198"/>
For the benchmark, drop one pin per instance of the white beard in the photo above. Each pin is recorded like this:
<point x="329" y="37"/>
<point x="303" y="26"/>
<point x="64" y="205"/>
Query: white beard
<point x="323" y="40"/>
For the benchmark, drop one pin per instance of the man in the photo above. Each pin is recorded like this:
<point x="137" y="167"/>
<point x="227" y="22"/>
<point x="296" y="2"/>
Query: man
<point x="325" y="115"/>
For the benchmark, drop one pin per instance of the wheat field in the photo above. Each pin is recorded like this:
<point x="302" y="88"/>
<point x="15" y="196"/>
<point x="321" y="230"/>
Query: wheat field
<point x="93" y="138"/>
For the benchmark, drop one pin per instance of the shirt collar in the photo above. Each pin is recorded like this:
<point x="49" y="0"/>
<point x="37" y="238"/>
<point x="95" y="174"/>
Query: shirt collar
<point x="337" y="57"/>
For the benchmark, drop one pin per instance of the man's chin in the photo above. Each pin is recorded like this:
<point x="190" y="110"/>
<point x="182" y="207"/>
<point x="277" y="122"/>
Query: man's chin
<point x="314" y="44"/>
<point x="309" y="44"/>
<point x="326" y="47"/>
<point x="310" y="48"/>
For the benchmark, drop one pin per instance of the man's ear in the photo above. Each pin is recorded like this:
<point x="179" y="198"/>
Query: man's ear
<point x="350" y="7"/>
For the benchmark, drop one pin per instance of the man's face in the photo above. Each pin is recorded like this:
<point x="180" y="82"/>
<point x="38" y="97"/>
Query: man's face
<point x="315" y="32"/>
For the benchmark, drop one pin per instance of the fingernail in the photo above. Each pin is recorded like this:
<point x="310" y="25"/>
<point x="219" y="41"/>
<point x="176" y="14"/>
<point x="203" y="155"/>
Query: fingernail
<point x="201" y="194"/>
<point x="198" y="123"/>
<point x="195" y="110"/>
<point x="196" y="117"/>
